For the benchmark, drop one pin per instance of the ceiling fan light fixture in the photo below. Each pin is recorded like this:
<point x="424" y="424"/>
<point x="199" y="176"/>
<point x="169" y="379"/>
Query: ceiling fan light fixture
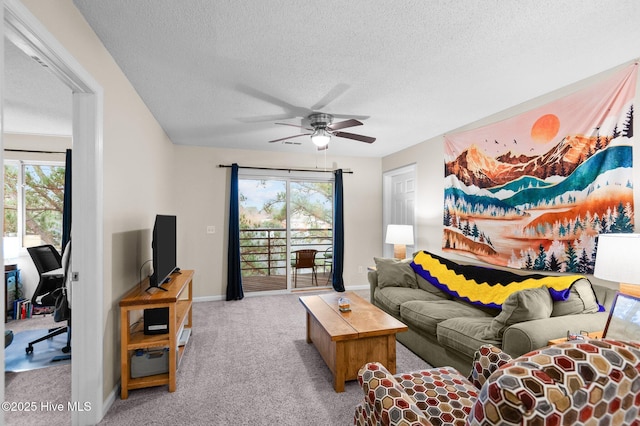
<point x="321" y="137"/>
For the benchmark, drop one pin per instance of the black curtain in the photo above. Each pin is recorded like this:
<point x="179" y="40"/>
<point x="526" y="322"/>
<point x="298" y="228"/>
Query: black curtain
<point x="66" y="209"/>
<point x="338" y="232"/>
<point x="234" y="276"/>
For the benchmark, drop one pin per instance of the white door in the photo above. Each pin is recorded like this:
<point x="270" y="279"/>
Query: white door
<point x="399" y="195"/>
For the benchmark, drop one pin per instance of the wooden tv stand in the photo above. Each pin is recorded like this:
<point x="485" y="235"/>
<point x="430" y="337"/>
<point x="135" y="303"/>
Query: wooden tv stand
<point x="132" y="336"/>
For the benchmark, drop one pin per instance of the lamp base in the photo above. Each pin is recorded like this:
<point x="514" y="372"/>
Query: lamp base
<point x="399" y="251"/>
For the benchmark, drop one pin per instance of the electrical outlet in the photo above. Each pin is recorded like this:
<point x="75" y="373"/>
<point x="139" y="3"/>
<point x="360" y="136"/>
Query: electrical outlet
<point x="211" y="229"/>
<point x="361" y="269"/>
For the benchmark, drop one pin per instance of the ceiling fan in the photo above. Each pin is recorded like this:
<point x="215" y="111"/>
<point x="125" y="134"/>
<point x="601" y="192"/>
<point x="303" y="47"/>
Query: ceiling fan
<point x="323" y="128"/>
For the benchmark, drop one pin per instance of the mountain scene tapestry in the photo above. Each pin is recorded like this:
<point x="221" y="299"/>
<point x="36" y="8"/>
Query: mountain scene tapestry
<point x="535" y="190"/>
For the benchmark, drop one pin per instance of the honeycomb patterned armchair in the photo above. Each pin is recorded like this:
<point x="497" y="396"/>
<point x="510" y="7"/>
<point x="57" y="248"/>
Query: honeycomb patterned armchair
<point x="591" y="382"/>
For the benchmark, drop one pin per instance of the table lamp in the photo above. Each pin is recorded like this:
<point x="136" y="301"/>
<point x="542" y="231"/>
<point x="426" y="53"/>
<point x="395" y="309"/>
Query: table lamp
<point x="400" y="236"/>
<point x="618" y="259"/>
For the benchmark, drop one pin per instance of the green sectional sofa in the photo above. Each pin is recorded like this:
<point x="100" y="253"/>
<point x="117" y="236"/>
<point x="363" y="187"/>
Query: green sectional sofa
<point x="446" y="330"/>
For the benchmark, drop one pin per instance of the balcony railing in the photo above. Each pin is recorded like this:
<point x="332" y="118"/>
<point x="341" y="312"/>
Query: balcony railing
<point x="263" y="251"/>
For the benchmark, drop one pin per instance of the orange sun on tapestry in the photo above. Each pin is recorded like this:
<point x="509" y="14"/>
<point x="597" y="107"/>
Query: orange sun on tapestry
<point x="534" y="191"/>
<point x="545" y="128"/>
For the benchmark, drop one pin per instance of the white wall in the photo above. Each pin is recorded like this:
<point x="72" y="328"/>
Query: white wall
<point x="429" y="159"/>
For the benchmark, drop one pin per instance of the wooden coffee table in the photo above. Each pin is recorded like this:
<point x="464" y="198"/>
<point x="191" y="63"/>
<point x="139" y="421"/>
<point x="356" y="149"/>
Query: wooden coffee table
<point x="348" y="340"/>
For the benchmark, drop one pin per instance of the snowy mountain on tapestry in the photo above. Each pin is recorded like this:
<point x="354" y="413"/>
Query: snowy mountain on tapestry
<point x="535" y="190"/>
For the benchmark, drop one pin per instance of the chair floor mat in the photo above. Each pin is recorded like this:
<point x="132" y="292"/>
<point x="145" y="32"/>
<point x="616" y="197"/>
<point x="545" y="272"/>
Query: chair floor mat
<point x="45" y="354"/>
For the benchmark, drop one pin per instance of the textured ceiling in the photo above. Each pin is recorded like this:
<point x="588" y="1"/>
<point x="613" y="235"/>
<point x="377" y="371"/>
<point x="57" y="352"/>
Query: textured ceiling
<point x="35" y="100"/>
<point x="221" y="73"/>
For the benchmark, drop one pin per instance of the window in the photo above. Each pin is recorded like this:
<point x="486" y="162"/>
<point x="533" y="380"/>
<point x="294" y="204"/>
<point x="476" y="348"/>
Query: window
<point x="33" y="203"/>
<point x="279" y="215"/>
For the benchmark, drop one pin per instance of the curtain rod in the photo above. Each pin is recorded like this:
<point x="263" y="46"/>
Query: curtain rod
<point x="35" y="151"/>
<point x="285" y="170"/>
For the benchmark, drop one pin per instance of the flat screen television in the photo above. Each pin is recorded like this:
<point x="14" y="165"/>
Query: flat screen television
<point x="163" y="246"/>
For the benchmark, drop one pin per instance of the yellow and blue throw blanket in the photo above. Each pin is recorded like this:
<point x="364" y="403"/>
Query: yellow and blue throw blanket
<point x="485" y="286"/>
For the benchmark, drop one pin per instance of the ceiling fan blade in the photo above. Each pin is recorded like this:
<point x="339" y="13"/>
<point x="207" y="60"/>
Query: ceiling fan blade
<point x="345" y="124"/>
<point x="361" y="138"/>
<point x="293" y="110"/>
<point x="289" y="137"/>
<point x="263" y="118"/>
<point x="333" y="94"/>
<point x="295" y="125"/>
<point x="357" y="117"/>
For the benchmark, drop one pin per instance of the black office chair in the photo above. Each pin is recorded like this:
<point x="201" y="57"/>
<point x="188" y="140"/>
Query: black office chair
<point x="46" y="258"/>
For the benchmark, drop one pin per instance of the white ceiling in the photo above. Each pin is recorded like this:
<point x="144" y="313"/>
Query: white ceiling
<point x="221" y="73"/>
<point x="35" y="100"/>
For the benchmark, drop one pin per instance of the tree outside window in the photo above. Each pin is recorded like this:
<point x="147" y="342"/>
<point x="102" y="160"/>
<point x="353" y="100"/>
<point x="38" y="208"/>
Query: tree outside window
<point x="11" y="200"/>
<point x="34" y="195"/>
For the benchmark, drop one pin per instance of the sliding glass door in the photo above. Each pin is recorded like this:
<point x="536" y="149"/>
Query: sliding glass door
<point x="285" y="232"/>
<point x="263" y="234"/>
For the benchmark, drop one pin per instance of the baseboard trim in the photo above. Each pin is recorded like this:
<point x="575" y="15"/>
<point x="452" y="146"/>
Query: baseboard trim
<point x="267" y="293"/>
<point x="111" y="398"/>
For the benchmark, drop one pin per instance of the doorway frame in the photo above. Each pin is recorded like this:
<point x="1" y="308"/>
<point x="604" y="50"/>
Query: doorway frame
<point x="387" y="177"/>
<point x="87" y="290"/>
<point x="288" y="176"/>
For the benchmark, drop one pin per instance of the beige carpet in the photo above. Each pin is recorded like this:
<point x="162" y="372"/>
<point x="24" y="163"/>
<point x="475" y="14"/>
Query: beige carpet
<point x="48" y="385"/>
<point x="247" y="362"/>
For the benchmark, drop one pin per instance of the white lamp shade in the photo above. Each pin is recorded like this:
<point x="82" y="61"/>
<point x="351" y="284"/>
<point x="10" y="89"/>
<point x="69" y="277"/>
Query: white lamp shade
<point x="618" y="258"/>
<point x="399" y="234"/>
